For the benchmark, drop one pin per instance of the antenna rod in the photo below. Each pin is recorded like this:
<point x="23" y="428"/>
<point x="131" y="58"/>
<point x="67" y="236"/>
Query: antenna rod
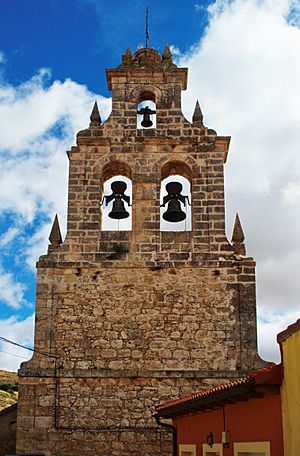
<point x="147" y="33"/>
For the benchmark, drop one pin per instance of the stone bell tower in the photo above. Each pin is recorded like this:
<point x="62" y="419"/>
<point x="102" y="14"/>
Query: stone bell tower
<point x="126" y="319"/>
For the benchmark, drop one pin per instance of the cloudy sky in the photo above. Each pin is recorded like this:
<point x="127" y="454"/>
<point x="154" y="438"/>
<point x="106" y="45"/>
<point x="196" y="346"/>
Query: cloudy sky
<point x="244" y="67"/>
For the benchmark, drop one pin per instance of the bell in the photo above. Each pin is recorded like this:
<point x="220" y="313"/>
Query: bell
<point x="174" y="213"/>
<point x="146" y="122"/>
<point x="118" y="197"/>
<point x="118" y="210"/>
<point x="146" y="112"/>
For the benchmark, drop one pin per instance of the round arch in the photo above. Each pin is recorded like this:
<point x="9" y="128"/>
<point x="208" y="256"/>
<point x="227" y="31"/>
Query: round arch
<point x="176" y="167"/>
<point x="146" y="92"/>
<point x="116" y="168"/>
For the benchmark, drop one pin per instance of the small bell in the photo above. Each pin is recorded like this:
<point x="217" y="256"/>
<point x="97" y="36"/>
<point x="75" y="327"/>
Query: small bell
<point x="146" y="112"/>
<point x="118" y="195"/>
<point x="174" y="213"/>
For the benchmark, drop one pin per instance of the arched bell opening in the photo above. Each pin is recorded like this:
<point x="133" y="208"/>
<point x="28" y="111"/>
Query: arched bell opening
<point x="175" y="207"/>
<point x="117" y="198"/>
<point x="146" y="110"/>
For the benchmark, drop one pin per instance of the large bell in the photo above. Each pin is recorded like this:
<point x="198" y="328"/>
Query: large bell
<point x="118" y="197"/>
<point x="118" y="210"/>
<point x="174" y="213"/>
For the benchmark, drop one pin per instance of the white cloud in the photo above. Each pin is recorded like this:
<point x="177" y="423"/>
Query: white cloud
<point x="175" y="51"/>
<point x="269" y="325"/>
<point x="11" y="292"/>
<point x="29" y="110"/>
<point x="38" y="124"/>
<point x="291" y="193"/>
<point x="16" y="330"/>
<point x="38" y="244"/>
<point x="8" y="236"/>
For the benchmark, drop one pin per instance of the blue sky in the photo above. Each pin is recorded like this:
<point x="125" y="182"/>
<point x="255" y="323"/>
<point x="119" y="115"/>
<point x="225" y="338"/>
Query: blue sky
<point x="78" y="38"/>
<point x="243" y="60"/>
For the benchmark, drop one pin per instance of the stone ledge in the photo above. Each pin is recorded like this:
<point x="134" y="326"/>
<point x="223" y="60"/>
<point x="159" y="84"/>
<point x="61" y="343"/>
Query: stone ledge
<point x="101" y="261"/>
<point x="109" y="373"/>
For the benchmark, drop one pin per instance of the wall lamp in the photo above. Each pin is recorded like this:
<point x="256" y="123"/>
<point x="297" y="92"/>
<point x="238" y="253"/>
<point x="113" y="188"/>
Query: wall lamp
<point x="210" y="439"/>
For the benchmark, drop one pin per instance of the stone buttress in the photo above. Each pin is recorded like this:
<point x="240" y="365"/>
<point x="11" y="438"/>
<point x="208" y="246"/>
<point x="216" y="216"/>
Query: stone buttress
<point x="129" y="319"/>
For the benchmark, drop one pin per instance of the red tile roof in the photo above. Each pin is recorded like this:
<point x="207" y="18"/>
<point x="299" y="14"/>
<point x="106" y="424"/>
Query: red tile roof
<point x="266" y="376"/>
<point x="291" y="329"/>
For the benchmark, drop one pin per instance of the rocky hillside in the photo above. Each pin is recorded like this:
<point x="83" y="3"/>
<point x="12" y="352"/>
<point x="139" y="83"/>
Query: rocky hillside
<point x="8" y="389"/>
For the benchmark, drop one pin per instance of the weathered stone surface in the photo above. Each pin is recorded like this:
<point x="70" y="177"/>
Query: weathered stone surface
<point x="166" y="314"/>
<point x="8" y="420"/>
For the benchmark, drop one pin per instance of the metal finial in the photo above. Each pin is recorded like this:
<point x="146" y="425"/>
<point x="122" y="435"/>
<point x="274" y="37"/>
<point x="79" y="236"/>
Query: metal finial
<point x="147" y="33"/>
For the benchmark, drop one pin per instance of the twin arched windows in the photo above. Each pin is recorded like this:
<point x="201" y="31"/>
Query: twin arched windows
<point x="174" y="198"/>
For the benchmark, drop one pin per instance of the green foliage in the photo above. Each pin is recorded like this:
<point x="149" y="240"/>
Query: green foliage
<point x="9" y="387"/>
<point x="119" y="248"/>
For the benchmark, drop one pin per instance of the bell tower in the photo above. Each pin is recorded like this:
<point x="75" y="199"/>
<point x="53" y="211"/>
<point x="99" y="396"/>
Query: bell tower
<point x="130" y="317"/>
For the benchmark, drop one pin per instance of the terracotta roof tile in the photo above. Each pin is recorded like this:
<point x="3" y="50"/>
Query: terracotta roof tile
<point x="269" y="375"/>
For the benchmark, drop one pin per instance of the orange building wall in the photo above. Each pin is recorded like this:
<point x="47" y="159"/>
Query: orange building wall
<point x="249" y="421"/>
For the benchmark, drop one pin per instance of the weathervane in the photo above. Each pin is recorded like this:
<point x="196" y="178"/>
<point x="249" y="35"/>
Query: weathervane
<point x="147" y="33"/>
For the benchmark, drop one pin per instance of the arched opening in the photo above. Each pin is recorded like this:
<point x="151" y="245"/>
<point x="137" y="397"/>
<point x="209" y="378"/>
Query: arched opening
<point x="175" y="193"/>
<point x="176" y="167"/>
<point x="117" y="197"/>
<point x="146" y="110"/>
<point x="115" y="168"/>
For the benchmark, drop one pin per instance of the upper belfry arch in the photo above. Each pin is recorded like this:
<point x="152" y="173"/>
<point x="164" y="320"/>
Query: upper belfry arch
<point x="114" y="168"/>
<point x="145" y="92"/>
<point x="149" y="93"/>
<point x="176" y="167"/>
<point x="146" y="75"/>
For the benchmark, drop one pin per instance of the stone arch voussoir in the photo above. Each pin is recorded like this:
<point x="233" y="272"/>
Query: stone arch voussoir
<point x="115" y="168"/>
<point x="145" y="92"/>
<point x="176" y="167"/>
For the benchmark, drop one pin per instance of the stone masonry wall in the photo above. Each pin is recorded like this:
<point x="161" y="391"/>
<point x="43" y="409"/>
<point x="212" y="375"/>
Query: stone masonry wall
<point x="8" y="420"/>
<point x="127" y="317"/>
<point x="165" y="333"/>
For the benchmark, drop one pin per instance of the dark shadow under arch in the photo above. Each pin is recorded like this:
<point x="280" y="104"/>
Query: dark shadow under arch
<point x="116" y="168"/>
<point x="176" y="167"/>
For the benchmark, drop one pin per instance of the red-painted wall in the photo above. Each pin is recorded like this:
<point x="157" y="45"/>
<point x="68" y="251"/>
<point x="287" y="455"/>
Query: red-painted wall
<point x="248" y="421"/>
